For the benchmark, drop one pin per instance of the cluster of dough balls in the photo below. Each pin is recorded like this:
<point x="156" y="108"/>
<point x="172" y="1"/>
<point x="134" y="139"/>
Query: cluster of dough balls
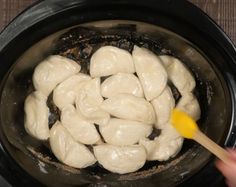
<point x="126" y="107"/>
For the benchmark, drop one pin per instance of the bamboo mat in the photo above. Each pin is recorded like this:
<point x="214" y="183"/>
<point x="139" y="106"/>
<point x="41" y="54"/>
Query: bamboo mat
<point x="222" y="11"/>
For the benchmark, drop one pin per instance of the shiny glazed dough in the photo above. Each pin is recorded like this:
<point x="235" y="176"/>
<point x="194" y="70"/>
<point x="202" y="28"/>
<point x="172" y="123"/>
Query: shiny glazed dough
<point x="36" y="115"/>
<point x="67" y="150"/>
<point x="165" y="146"/>
<point x="80" y="99"/>
<point x="80" y="129"/>
<point x="189" y="104"/>
<point x="65" y="93"/>
<point x="89" y="101"/>
<point x="53" y="71"/>
<point x="120" y="159"/>
<point x="180" y="76"/>
<point x="121" y="83"/>
<point x="124" y="132"/>
<point x="163" y="106"/>
<point x="127" y="106"/>
<point x="109" y="60"/>
<point x="150" y="71"/>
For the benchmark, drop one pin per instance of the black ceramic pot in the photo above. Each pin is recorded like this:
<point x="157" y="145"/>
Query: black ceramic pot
<point x="70" y="27"/>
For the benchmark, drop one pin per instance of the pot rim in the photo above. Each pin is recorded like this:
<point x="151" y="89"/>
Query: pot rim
<point x="44" y="9"/>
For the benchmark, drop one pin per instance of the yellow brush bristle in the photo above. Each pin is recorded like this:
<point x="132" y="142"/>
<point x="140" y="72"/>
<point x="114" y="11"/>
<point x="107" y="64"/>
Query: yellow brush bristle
<point x="183" y="123"/>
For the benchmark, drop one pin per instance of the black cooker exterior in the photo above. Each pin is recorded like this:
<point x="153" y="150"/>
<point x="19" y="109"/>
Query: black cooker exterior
<point x="13" y="44"/>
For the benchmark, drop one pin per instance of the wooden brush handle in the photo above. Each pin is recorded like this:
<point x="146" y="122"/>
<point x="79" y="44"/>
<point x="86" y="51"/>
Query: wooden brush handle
<point x="211" y="146"/>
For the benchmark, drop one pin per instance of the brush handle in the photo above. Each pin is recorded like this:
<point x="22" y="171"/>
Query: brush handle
<point x="211" y="146"/>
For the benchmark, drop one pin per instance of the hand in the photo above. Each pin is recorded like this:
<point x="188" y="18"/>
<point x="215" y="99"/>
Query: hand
<point x="229" y="170"/>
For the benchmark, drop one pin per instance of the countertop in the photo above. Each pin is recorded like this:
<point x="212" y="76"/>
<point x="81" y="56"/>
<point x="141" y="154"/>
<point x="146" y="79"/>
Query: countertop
<point x="222" y="11"/>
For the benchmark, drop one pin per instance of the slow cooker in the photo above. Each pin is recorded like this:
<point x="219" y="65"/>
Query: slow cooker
<point x="72" y="27"/>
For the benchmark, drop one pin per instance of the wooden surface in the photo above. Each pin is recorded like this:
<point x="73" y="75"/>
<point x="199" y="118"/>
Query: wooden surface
<point x="222" y="11"/>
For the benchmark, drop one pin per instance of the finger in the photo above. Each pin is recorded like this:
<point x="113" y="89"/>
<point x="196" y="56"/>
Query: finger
<point x="230" y="183"/>
<point x="227" y="171"/>
<point x="232" y="154"/>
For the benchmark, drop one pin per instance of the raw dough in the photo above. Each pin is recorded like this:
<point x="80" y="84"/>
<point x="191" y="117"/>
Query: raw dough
<point x="89" y="101"/>
<point x="80" y="100"/>
<point x="109" y="60"/>
<point x="65" y="93"/>
<point x="150" y="71"/>
<point x="189" y="104"/>
<point x="121" y="83"/>
<point x="36" y="115"/>
<point x="67" y="150"/>
<point x="80" y="129"/>
<point x="120" y="159"/>
<point x="124" y="132"/>
<point x="163" y="105"/>
<point x="165" y="146"/>
<point x="180" y="76"/>
<point x="127" y="106"/>
<point x="53" y="71"/>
